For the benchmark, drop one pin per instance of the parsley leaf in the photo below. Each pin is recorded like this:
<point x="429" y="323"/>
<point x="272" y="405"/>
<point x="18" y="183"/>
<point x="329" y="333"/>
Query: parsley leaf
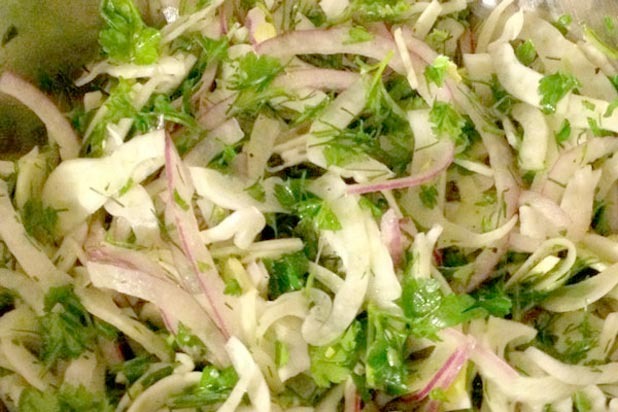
<point x="526" y="52"/>
<point x="119" y="105"/>
<point x="553" y="88"/>
<point x="429" y="196"/>
<point x="437" y="39"/>
<point x="493" y="299"/>
<point x="186" y="341"/>
<point x="134" y="368"/>
<point x="160" y="107"/>
<point x="255" y="72"/>
<point x="33" y="400"/>
<point x="125" y="38"/>
<point x="214" y="387"/>
<point x="447" y="122"/>
<point x="358" y="34"/>
<point x="610" y="109"/>
<point x="436" y="72"/>
<point x="287" y="274"/>
<point x="39" y="221"/>
<point x="67" y="399"/>
<point x="380" y="10"/>
<point x="563" y="22"/>
<point x="564" y="133"/>
<point x="294" y="197"/>
<point x="428" y="310"/>
<point x="581" y="403"/>
<point x="333" y="363"/>
<point x="503" y="100"/>
<point x="66" y="328"/>
<point x="385" y="361"/>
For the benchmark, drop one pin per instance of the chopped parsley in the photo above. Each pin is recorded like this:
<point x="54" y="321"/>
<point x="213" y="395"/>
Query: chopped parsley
<point x="39" y="221"/>
<point x="564" y="133"/>
<point x="294" y="197"/>
<point x="526" y="52"/>
<point x="287" y="274"/>
<point x="358" y="34"/>
<point x="447" y="122"/>
<point x="553" y="88"/>
<point x="125" y="38"/>
<point x="379" y="10"/>
<point x="119" y="105"/>
<point x="437" y="71"/>
<point x="429" y="196"/>
<point x="67" y="399"/>
<point x="255" y="72"/>
<point x="563" y="22"/>
<point x="214" y="387"/>
<point x="66" y="328"/>
<point x="333" y="363"/>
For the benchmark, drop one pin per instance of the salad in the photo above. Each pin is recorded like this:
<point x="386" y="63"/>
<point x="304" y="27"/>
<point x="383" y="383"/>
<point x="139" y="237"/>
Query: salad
<point x="335" y="205"/>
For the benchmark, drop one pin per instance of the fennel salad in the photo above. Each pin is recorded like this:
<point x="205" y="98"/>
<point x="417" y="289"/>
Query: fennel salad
<point x="333" y="205"/>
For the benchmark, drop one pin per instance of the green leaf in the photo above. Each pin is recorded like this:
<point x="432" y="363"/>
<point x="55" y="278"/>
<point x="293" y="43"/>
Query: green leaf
<point x="33" y="400"/>
<point x="385" y="358"/>
<point x="66" y="328"/>
<point x="257" y="191"/>
<point x="596" y="129"/>
<point x="134" y="368"/>
<point x="358" y="34"/>
<point x="333" y="363"/>
<point x="186" y="340"/>
<point x="436" y="72"/>
<point x="67" y="399"/>
<point x="125" y="38"/>
<point x="326" y="218"/>
<point x="338" y="153"/>
<point x="503" y="100"/>
<point x="493" y="298"/>
<point x="437" y="39"/>
<point x="287" y="274"/>
<point x="255" y="72"/>
<point x="581" y="402"/>
<point x="610" y="109"/>
<point x="294" y="196"/>
<point x="119" y="105"/>
<point x="429" y="196"/>
<point x="282" y="354"/>
<point x="447" y="122"/>
<point x="232" y="288"/>
<point x="428" y="311"/>
<point x="214" y="387"/>
<point x="553" y="88"/>
<point x="564" y="133"/>
<point x="526" y="52"/>
<point x="562" y="23"/>
<point x="160" y="108"/>
<point x="39" y="221"/>
<point x="79" y="399"/>
<point x="182" y="203"/>
<point x="380" y="10"/>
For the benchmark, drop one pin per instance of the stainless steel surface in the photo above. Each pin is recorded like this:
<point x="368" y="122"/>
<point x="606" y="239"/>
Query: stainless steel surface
<point x="44" y="41"/>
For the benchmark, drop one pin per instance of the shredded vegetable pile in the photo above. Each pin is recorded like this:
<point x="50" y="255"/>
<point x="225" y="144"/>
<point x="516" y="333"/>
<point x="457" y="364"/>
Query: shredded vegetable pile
<point x="376" y="205"/>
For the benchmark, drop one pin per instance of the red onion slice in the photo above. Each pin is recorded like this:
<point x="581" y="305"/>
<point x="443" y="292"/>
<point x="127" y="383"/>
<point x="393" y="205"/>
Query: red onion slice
<point x="179" y="213"/>
<point x="438" y="167"/>
<point x="330" y="41"/>
<point x="58" y="127"/>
